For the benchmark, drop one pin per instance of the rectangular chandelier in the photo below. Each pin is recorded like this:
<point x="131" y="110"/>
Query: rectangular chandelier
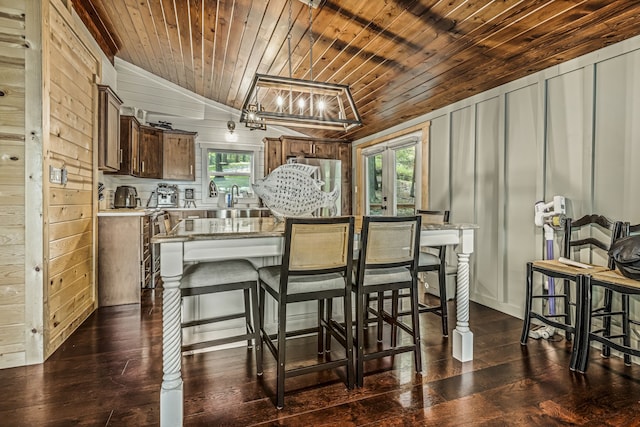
<point x="274" y="100"/>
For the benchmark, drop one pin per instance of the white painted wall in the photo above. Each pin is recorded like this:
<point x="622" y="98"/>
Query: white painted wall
<point x="573" y="130"/>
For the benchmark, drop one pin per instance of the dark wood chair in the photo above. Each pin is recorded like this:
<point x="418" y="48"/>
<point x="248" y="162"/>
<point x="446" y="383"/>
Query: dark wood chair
<point x="586" y="240"/>
<point x="388" y="263"/>
<point x="316" y="265"/>
<point x="214" y="277"/>
<point x="608" y="284"/>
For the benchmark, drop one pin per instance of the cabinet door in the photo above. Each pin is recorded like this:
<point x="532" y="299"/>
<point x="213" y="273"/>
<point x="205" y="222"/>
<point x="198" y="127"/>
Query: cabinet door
<point x="150" y="152"/>
<point x="129" y="146"/>
<point x="295" y="148"/>
<point x="344" y="154"/>
<point x="325" y="150"/>
<point x="179" y="156"/>
<point x="108" y="129"/>
<point x="272" y="154"/>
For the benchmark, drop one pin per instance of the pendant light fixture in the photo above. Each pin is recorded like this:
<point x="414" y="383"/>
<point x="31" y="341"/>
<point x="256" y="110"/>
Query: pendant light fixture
<point x="276" y="100"/>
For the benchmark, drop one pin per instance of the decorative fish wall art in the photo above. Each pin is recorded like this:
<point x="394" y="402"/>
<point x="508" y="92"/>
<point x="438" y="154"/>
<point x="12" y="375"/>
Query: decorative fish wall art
<point x="291" y="190"/>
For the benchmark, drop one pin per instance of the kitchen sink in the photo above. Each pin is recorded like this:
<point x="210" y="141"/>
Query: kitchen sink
<point x="239" y="213"/>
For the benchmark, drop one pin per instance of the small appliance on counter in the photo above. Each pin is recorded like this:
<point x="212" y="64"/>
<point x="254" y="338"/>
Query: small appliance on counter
<point x="167" y="195"/>
<point x="126" y="197"/>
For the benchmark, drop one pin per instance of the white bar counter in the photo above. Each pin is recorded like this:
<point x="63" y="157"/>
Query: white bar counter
<point x="208" y="239"/>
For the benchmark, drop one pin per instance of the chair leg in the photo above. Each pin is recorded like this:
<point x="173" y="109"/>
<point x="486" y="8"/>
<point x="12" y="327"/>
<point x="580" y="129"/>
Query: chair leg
<point x="606" y="320"/>
<point x="585" y="339"/>
<point x="394" y="316"/>
<point x="247" y="316"/>
<point x="527" y="305"/>
<point x="567" y="307"/>
<point x="348" y="327"/>
<point x="360" y="321"/>
<point x="282" y="331"/>
<point x="415" y="322"/>
<point x="261" y="333"/>
<point x="327" y="343"/>
<point x="320" y="327"/>
<point x="380" y="308"/>
<point x="257" y="326"/>
<point x="442" y="279"/>
<point x="579" y="335"/>
<point x="626" y="330"/>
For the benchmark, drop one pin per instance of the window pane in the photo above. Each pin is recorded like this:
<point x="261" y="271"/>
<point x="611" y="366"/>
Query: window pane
<point x="374" y="184"/>
<point x="229" y="162"/>
<point x="406" y="180"/>
<point x="226" y="182"/>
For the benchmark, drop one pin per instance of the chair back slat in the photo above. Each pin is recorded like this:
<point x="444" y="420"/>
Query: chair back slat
<point x="319" y="246"/>
<point x="390" y="242"/>
<point x="433" y="216"/>
<point x="583" y="235"/>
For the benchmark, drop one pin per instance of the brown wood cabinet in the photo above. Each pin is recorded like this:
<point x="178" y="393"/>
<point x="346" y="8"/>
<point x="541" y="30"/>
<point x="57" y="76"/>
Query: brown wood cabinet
<point x="129" y="146"/>
<point x="150" y="152"/>
<point x="179" y="155"/>
<point x="278" y="150"/>
<point x="124" y="264"/>
<point x="108" y="129"/>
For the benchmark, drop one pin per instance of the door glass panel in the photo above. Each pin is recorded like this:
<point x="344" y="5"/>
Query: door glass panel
<point x="374" y="184"/>
<point x="405" y="177"/>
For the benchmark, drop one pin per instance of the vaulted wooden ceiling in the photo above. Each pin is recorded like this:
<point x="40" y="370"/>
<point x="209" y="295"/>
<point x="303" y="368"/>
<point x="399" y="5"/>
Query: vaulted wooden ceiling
<point x="401" y="58"/>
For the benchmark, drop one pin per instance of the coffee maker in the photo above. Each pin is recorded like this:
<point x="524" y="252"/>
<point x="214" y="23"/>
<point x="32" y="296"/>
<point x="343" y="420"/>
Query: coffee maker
<point x="167" y="195"/>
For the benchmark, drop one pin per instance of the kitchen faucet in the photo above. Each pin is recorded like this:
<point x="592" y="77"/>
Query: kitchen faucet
<point x="234" y="200"/>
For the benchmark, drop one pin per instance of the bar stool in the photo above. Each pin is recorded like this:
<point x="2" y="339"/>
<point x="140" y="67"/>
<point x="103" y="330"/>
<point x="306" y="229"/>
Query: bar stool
<point x="388" y="262"/>
<point x="225" y="276"/>
<point x="316" y="266"/>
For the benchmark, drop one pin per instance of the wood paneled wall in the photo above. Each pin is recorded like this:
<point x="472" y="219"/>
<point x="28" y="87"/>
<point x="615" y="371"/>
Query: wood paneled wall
<point x="48" y="100"/>
<point x="71" y="71"/>
<point x="12" y="185"/>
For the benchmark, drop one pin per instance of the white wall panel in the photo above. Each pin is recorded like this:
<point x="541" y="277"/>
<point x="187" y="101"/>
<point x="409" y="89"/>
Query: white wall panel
<point x="617" y="138"/>
<point x="462" y="165"/>
<point x="439" y="187"/>
<point x="521" y="152"/>
<point x="568" y="152"/>
<point x="488" y="148"/>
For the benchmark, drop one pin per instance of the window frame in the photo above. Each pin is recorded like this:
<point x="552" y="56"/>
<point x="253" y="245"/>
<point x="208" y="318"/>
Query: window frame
<point x="205" y="148"/>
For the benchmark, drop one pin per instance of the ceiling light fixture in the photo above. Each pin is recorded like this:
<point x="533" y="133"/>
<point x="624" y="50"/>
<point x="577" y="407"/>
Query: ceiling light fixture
<point x="275" y="100"/>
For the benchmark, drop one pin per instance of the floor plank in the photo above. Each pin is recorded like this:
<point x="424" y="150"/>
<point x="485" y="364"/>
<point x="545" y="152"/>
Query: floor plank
<point x="108" y="374"/>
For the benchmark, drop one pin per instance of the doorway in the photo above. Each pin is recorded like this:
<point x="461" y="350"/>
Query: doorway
<point x="390" y="171"/>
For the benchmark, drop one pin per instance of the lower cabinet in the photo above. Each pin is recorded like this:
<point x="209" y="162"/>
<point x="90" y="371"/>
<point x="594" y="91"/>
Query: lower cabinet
<point x="124" y="259"/>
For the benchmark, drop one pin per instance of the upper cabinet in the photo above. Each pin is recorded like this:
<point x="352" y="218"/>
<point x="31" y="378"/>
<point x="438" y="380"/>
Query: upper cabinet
<point x="129" y="146"/>
<point x="278" y="150"/>
<point x="179" y="155"/>
<point x="150" y="152"/>
<point x="108" y="129"/>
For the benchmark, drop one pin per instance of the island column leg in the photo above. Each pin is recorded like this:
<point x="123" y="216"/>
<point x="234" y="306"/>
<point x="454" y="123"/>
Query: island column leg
<point x="462" y="335"/>
<point x="171" y="396"/>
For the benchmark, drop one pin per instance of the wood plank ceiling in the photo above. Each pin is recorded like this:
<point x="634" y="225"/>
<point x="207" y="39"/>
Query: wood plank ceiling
<point x="401" y="58"/>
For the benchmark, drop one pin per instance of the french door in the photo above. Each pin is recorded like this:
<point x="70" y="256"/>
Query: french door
<point x="391" y="187"/>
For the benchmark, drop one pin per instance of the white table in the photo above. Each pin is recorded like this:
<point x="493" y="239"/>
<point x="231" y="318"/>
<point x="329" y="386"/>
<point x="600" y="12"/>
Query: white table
<point x="210" y="239"/>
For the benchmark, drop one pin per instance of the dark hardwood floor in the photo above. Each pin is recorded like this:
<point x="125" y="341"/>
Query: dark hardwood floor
<point x="108" y="373"/>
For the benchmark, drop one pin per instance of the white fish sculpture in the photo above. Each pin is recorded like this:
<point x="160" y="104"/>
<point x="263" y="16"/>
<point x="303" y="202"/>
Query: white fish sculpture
<point x="291" y="190"/>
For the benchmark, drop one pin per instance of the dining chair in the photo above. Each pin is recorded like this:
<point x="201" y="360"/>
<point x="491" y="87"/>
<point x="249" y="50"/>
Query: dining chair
<point x="586" y="241"/>
<point x="607" y="285"/>
<point x="316" y="265"/>
<point x="214" y="277"/>
<point x="388" y="262"/>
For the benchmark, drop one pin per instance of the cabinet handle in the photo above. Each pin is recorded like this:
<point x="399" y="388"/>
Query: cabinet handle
<point x="190" y="169"/>
<point x="120" y="161"/>
<point x="143" y="166"/>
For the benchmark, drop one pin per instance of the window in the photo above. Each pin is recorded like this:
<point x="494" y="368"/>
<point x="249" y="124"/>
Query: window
<point x="228" y="167"/>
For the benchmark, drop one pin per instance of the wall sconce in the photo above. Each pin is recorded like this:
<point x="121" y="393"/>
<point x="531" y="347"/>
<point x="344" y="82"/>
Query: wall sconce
<point x="231" y="136"/>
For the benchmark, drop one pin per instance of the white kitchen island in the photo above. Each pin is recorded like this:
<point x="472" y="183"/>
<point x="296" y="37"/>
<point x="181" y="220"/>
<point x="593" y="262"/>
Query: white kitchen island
<point x="197" y="240"/>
